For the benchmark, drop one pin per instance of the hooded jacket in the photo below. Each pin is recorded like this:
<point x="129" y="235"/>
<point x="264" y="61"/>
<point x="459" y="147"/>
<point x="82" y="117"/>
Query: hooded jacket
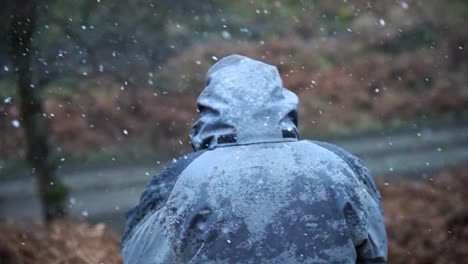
<point x="253" y="192"/>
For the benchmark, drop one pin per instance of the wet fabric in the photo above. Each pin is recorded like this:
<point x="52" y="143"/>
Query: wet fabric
<point x="252" y="192"/>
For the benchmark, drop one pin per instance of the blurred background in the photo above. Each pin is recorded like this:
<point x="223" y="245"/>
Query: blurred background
<point x="96" y="96"/>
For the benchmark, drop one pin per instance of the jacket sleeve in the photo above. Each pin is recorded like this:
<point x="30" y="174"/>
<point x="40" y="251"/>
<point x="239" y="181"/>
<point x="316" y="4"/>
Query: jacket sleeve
<point x="363" y="212"/>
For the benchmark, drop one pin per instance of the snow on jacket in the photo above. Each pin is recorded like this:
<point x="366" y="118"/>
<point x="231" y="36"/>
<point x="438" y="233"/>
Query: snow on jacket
<point x="252" y="192"/>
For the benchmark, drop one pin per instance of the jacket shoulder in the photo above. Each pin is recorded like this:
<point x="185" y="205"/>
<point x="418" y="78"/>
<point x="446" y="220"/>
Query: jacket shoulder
<point x="356" y="165"/>
<point x="157" y="192"/>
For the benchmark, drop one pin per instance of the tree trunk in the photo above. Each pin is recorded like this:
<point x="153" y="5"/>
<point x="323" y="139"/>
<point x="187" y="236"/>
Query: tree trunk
<point x="51" y="191"/>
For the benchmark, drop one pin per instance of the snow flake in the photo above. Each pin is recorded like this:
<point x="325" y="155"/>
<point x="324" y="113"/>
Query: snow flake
<point x="225" y="34"/>
<point x="15" y="123"/>
<point x="382" y="22"/>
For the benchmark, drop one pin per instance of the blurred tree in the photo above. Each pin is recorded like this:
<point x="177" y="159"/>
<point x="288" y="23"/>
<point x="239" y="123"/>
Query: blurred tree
<point x="21" y="29"/>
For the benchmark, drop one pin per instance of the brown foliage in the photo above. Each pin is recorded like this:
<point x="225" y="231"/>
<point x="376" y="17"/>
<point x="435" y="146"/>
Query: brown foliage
<point x="61" y="242"/>
<point x="427" y="221"/>
<point x="342" y="84"/>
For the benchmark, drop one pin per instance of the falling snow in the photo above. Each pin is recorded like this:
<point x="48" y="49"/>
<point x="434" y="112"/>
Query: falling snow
<point x="382" y="22"/>
<point x="392" y="71"/>
<point x="15" y="123"/>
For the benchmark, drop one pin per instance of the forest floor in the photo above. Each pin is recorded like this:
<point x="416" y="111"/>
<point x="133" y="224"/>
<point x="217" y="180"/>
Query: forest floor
<point x="427" y="222"/>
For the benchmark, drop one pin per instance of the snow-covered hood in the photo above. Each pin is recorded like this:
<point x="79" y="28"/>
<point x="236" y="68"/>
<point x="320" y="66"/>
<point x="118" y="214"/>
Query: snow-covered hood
<point x="244" y="102"/>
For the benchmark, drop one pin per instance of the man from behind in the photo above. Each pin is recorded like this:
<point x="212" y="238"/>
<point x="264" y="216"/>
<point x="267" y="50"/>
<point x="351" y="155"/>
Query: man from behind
<point x="252" y="191"/>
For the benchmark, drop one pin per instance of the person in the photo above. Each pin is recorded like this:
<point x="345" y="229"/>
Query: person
<point x="253" y="192"/>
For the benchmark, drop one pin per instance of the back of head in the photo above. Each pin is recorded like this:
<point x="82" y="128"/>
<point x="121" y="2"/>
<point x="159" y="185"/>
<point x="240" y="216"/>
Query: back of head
<point x="245" y="98"/>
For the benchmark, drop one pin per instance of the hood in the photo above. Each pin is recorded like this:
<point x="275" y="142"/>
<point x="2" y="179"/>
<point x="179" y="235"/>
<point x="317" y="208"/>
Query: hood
<point x="244" y="102"/>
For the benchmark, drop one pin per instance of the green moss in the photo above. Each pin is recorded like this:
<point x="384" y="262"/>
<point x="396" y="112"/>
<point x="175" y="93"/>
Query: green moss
<point x="56" y="192"/>
<point x="8" y="88"/>
<point x="344" y="15"/>
<point x="411" y="40"/>
<point x="326" y="61"/>
<point x="64" y="87"/>
<point x="56" y="198"/>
